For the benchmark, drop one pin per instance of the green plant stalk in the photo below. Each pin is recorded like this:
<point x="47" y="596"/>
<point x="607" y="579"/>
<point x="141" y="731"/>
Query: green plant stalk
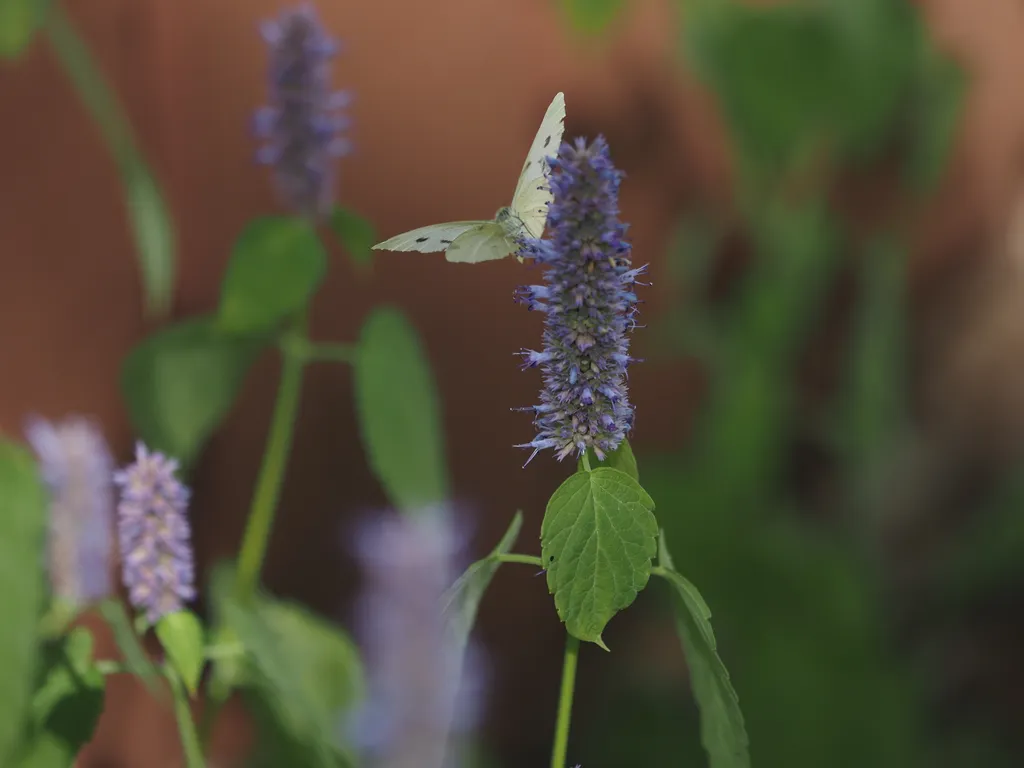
<point x="572" y="652"/>
<point x="275" y="458"/>
<point x="109" y="117"/>
<point x="522" y="559"/>
<point x="186" y="727"/>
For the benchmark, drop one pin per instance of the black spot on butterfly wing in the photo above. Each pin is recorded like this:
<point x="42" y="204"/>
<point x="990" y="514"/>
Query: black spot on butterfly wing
<point x="446" y="242"/>
<point x="422" y="239"/>
<point x="546" y="142"/>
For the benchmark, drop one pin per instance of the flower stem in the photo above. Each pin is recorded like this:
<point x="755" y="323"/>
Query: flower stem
<point x="524" y="559"/>
<point x="186" y="727"/>
<point x="572" y="651"/>
<point x="275" y="458"/>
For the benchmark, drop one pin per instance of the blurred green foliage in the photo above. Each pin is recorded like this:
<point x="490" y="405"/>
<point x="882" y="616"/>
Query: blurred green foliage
<point x="811" y="94"/>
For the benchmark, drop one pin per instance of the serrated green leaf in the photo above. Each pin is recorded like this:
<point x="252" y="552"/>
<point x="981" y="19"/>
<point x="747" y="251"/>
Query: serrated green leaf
<point x="723" y="731"/>
<point x="182" y="637"/>
<point x="276" y="266"/>
<point x="460" y="603"/>
<point x="147" y="211"/>
<point x="592" y="16"/>
<point x="19" y="20"/>
<point x="597" y="541"/>
<point x="301" y="674"/>
<point x="66" y="706"/>
<point x="135" y="657"/>
<point x="23" y="515"/>
<point x="355" y="233"/>
<point x="621" y="458"/>
<point x="181" y="382"/>
<point x="399" y="412"/>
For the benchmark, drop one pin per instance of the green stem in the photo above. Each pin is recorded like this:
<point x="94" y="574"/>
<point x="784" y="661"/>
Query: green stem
<point x="318" y="351"/>
<point x="186" y="727"/>
<point x="275" y="457"/>
<point x="524" y="559"/>
<point x="572" y="652"/>
<point x="586" y="460"/>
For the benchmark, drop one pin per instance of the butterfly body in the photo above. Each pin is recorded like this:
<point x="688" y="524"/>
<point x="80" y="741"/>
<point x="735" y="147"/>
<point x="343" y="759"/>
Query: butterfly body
<point x="476" y="241"/>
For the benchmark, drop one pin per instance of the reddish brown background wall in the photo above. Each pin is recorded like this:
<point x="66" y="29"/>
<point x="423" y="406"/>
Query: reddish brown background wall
<point x="448" y="95"/>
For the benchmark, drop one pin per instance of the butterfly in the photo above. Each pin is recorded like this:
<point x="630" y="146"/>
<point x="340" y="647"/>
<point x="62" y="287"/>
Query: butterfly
<point x="475" y="241"/>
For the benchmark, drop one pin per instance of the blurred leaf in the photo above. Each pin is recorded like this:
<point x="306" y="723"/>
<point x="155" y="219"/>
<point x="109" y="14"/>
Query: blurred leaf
<point x="356" y="234"/>
<point x="591" y="15"/>
<point x="66" y="706"/>
<point x="621" y="458"/>
<point x="301" y="676"/>
<point x="147" y="211"/>
<point x="182" y="637"/>
<point x="23" y="515"/>
<point x="19" y="20"/>
<point x="182" y="381"/>
<point x="937" y="108"/>
<point x="461" y="601"/>
<point x="597" y="541"/>
<point x="135" y="657"/>
<point x="723" y="732"/>
<point x="399" y="413"/>
<point x="276" y="266"/>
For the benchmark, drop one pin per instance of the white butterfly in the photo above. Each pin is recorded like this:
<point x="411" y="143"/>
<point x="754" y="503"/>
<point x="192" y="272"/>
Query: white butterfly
<point x="475" y="241"/>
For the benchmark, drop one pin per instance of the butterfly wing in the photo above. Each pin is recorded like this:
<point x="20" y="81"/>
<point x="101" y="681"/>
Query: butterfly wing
<point x="532" y="195"/>
<point x="484" y="243"/>
<point x="437" y="237"/>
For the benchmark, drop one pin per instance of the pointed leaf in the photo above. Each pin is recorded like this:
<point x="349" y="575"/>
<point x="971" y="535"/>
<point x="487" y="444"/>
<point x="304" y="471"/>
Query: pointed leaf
<point x="22" y="535"/>
<point x="67" y="704"/>
<point x="621" y="458"/>
<point x="597" y="541"/>
<point x="723" y="732"/>
<point x="276" y="266"/>
<point x="182" y="637"/>
<point x="356" y="234"/>
<point x="181" y="382"/>
<point x="461" y="601"/>
<point x="399" y="413"/>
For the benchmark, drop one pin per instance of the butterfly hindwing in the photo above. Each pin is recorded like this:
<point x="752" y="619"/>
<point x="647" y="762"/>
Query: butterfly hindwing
<point x="484" y="243"/>
<point x="437" y="237"/>
<point x="532" y="196"/>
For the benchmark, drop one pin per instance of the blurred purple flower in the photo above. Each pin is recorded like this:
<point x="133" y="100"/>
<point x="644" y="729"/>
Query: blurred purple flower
<point x="154" y="535"/>
<point x="590" y="306"/>
<point x="301" y="125"/>
<point x="423" y="693"/>
<point x="76" y="466"/>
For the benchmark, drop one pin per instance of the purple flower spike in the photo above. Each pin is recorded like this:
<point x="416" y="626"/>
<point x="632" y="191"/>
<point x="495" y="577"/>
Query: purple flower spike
<point x="302" y="124"/>
<point x="154" y="533"/>
<point x="76" y="467"/>
<point x="589" y="304"/>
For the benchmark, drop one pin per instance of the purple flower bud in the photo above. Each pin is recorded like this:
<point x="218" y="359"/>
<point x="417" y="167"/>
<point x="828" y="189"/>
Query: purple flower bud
<point x="589" y="305"/>
<point x="154" y="534"/>
<point x="422" y="693"/>
<point x="302" y="124"/>
<point x="76" y="467"/>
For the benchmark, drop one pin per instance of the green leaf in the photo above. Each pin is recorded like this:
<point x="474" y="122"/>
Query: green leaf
<point x="356" y="234"/>
<point x="399" y="413"/>
<point x="597" y="540"/>
<point x="181" y="635"/>
<point x="19" y="20"/>
<point x="723" y="732"/>
<point x="181" y="382"/>
<point x="276" y="266"/>
<point x="67" y="703"/>
<point x="621" y="458"/>
<point x="302" y="674"/>
<point x="460" y="603"/>
<point x="135" y="657"/>
<point x="150" y="220"/>
<point x="23" y="515"/>
<point x="592" y="15"/>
